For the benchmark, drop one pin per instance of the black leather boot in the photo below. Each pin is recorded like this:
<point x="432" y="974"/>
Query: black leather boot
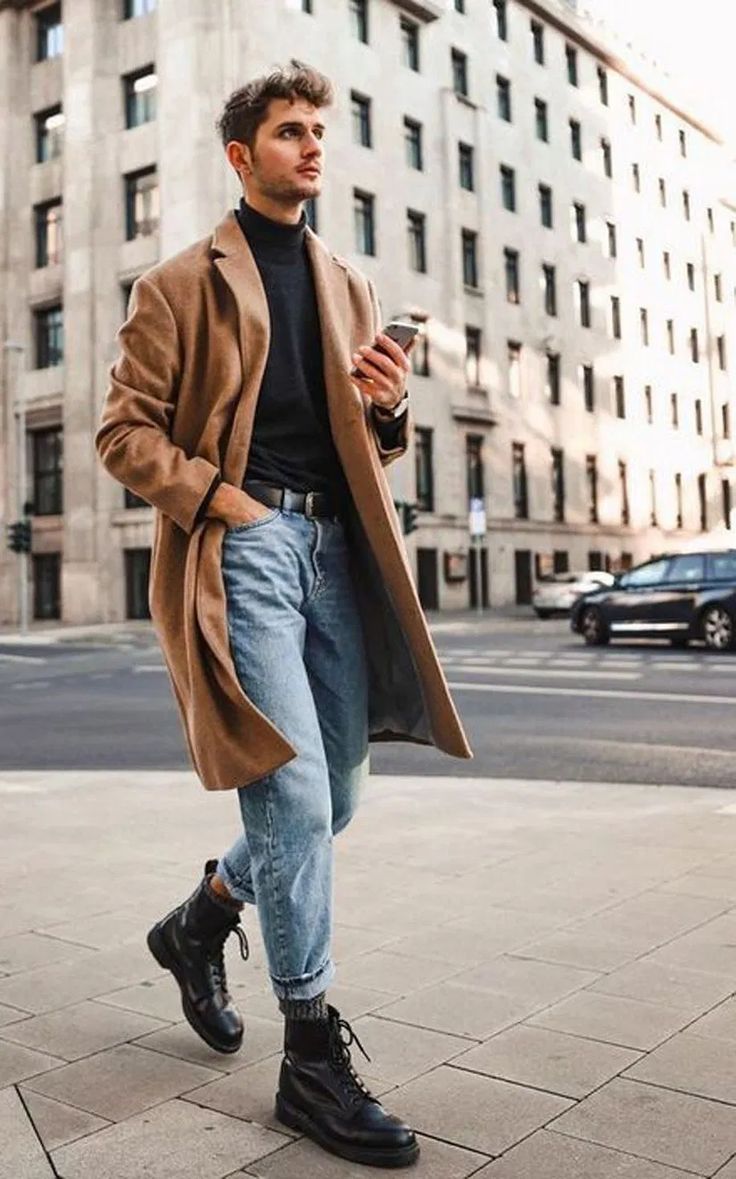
<point x="190" y="943"/>
<point x="321" y="1094"/>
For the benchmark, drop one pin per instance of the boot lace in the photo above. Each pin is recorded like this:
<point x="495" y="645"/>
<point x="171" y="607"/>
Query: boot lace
<point x="216" y="955"/>
<point x="354" y="1086"/>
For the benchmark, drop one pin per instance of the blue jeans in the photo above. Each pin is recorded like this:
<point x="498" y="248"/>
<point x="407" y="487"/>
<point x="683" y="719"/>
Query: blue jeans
<point x="297" y="645"/>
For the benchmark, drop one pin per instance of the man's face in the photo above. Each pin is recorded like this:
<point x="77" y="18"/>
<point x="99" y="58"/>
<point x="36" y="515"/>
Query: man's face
<point x="288" y="142"/>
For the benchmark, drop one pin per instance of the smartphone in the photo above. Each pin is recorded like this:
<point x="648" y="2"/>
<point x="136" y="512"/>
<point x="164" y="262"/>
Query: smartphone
<point x="400" y="331"/>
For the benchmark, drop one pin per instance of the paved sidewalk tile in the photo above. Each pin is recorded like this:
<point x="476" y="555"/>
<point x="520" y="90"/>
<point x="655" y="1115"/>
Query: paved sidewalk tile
<point x="22" y="1156"/>
<point x="173" y="1140"/>
<point x="627" y="1022"/>
<point x="459" y="1011"/>
<point x="693" y="991"/>
<point x="547" y="1155"/>
<point x="25" y="951"/>
<point x="80" y="1030"/>
<point x="17" y="1063"/>
<point x="692" y="1064"/>
<point x="263" y="1037"/>
<point x="57" y="1123"/>
<point x="656" y="1124"/>
<point x="568" y="1065"/>
<point x="474" y="1111"/>
<point x="305" y="1160"/>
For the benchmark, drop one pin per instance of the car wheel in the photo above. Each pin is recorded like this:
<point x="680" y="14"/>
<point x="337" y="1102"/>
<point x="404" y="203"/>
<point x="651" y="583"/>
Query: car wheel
<point x="593" y="628"/>
<point x="718" y="629"/>
<point x="679" y="641"/>
<point x="542" y="613"/>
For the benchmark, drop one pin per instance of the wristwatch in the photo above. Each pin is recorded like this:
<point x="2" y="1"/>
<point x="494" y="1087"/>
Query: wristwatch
<point x="387" y="414"/>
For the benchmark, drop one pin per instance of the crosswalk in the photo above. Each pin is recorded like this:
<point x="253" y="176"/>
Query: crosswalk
<point x="595" y="664"/>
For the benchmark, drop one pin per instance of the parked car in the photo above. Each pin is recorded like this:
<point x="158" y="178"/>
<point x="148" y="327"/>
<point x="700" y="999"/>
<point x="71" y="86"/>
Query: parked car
<point x="556" y="593"/>
<point x="676" y="596"/>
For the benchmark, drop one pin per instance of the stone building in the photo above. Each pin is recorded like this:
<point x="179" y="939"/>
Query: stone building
<point x="557" y="224"/>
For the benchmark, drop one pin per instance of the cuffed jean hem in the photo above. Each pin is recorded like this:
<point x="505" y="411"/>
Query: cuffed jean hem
<point x="236" y="888"/>
<point x="307" y="986"/>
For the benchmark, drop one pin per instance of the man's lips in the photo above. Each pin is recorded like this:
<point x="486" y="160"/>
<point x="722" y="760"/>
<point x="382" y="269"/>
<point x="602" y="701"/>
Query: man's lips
<point x="315" y="171"/>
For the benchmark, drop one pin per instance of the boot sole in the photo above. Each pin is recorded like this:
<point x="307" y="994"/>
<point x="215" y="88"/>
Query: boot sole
<point x="296" y="1119"/>
<point x="160" y="951"/>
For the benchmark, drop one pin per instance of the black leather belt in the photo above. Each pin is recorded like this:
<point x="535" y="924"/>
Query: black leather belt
<point x="311" y="503"/>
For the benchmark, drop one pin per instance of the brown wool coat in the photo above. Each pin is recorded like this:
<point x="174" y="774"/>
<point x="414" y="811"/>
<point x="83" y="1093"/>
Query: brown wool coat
<point x="179" y="412"/>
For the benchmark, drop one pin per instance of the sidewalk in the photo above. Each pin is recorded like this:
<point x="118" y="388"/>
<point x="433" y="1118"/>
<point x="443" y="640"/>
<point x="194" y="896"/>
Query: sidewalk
<point x="543" y="974"/>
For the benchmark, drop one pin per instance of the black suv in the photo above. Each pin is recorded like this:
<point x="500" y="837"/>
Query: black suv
<point x="678" y="596"/>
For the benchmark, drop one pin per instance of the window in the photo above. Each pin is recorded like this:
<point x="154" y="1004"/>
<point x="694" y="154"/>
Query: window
<point x="545" y="205"/>
<point x="578" y="222"/>
<point x="725" y="420"/>
<point x="364" y="222"/>
<point x="141" y="203"/>
<point x="417" y="245"/>
<point x="460" y="6"/>
<point x="307" y="6"/>
<point x="636" y="177"/>
<point x="409" y="44"/>
<point x="666" y="264"/>
<point x="520" y="490"/>
<point x="616" y="317"/>
<point x="711" y="226"/>
<point x="48" y="462"/>
<point x="722" y="566"/>
<point x="473" y="339"/>
<point x="662" y="192"/>
<point x="470" y="257"/>
<point x="549" y="286"/>
<point x="360" y="108"/>
<point x="591" y="476"/>
<point x="611" y="236"/>
<point x="537" y="31"/>
<point x="671" y="336"/>
<point x="474" y="467"/>
<point x="640" y="251"/>
<point x="576" y="146"/>
<point x="632" y="108"/>
<point x="675" y="411"/>
<point x="717" y="288"/>
<point x="694" y="353"/>
<point x="648" y="404"/>
<point x="690" y="269"/>
<point x="703" y="503"/>
<point x="602" y="85"/>
<point x="419" y="357"/>
<point x="619" y="397"/>
<point x="49" y="237"/>
<point x="49" y="333"/>
<point x="721" y="350"/>
<point x="359" y="19"/>
<point x="501" y="22"/>
<point x="49" y="32"/>
<point x="459" y="72"/>
<point x="466" y="166"/>
<point x="726" y="496"/>
<point x="46" y="585"/>
<point x="658" y="126"/>
<point x="413" y="143"/>
<point x="424" y="469"/>
<point x="140" y="97"/>
<point x="49" y="134"/>
<point x="586" y="371"/>
<point x="698" y="416"/>
<point x="558" y="485"/>
<point x="683" y="142"/>
<point x="552" y="382"/>
<point x="137" y="574"/>
<point x="508" y="188"/>
<point x="606" y="157"/>
<point x="624" y="492"/>
<point x="652" y="498"/>
<point x="310" y="209"/>
<point x="540" y="120"/>
<point x="678" y="516"/>
<point x="511" y="269"/>
<point x="644" y="326"/>
<point x="686" y="204"/>
<point x="503" y="98"/>
<point x="513" y="356"/>
<point x="133" y="8"/>
<point x="584" y="302"/>
<point x="131" y="500"/>
<point x="571" y="57"/>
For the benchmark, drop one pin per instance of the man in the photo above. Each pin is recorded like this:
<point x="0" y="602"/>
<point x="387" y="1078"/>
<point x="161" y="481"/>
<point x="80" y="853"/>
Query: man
<point x="280" y="589"/>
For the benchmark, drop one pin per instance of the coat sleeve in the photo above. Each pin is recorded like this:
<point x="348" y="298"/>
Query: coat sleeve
<point x="133" y="440"/>
<point x="392" y="437"/>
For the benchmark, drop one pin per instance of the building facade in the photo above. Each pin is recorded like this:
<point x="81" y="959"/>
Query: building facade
<point x="560" y="229"/>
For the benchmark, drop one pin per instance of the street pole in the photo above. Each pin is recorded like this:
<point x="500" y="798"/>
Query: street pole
<point x="20" y="467"/>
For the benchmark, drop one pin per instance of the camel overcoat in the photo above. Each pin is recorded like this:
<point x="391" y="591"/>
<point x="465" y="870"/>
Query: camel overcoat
<point x="178" y="414"/>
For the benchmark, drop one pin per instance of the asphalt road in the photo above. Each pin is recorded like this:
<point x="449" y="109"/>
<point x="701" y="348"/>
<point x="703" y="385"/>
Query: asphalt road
<point x="536" y="703"/>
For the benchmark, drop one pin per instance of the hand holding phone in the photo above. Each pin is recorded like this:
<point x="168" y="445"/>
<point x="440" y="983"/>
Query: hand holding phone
<point x="400" y="331"/>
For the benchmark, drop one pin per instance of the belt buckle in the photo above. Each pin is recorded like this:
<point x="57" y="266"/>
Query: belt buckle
<point x="309" y="504"/>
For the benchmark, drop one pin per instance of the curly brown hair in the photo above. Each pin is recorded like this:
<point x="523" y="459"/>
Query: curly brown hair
<point x="247" y="107"/>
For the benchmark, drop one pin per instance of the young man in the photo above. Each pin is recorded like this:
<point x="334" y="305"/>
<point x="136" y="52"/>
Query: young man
<point x="280" y="589"/>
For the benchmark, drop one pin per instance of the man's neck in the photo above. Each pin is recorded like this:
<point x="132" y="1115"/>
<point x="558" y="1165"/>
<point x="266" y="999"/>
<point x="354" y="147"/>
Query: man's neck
<point x="288" y="215"/>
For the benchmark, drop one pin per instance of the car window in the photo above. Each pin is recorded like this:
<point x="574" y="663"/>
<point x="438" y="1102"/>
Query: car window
<point x="687" y="567"/>
<point x="650" y="574"/>
<point x="723" y="566"/>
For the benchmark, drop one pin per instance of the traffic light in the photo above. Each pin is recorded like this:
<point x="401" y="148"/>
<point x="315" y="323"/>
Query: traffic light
<point x="19" y="536"/>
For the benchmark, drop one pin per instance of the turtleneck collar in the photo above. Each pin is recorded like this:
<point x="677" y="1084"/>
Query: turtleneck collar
<point x="274" y="235"/>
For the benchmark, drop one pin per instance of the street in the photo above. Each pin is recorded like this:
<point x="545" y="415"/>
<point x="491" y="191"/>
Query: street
<point x="536" y="701"/>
